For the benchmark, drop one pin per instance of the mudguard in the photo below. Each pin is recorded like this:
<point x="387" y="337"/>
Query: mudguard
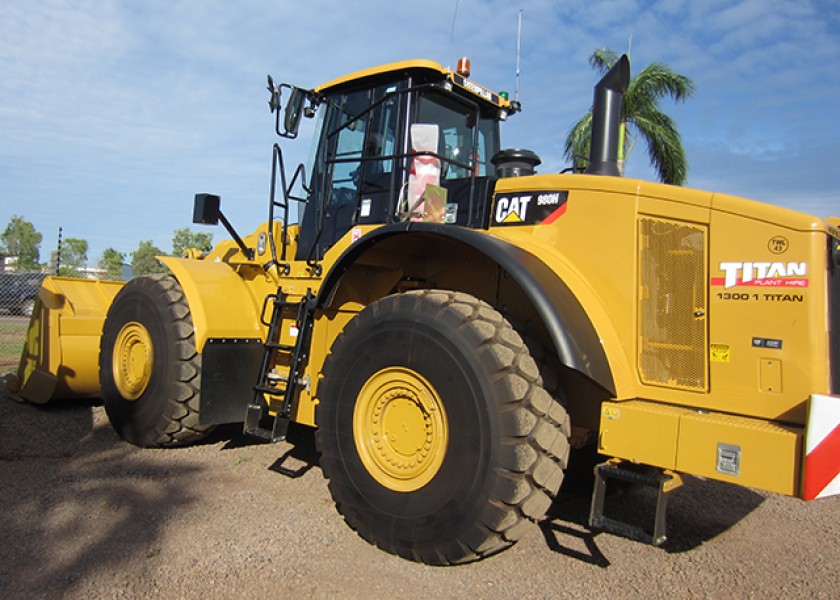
<point x="222" y="304"/>
<point x="225" y="310"/>
<point x="577" y="343"/>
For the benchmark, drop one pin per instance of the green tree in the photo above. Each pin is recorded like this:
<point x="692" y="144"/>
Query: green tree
<point x="73" y="257"/>
<point x="21" y="240"/>
<point x="642" y="117"/>
<point x="184" y="239"/>
<point x="143" y="261"/>
<point x="112" y="263"/>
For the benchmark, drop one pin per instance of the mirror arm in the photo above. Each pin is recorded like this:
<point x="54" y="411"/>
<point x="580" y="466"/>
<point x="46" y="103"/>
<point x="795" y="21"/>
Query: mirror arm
<point x="207" y="211"/>
<point x="248" y="252"/>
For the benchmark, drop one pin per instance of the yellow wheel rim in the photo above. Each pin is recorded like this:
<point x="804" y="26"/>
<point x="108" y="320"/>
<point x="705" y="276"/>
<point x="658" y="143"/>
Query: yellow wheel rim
<point x="400" y="429"/>
<point x="132" y="360"/>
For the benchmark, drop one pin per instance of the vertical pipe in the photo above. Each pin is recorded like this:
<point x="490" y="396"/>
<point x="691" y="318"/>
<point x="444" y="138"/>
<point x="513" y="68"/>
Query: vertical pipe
<point x="606" y="119"/>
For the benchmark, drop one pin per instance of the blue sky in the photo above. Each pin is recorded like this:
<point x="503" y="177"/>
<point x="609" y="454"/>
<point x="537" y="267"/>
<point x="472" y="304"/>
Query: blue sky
<point x="113" y="114"/>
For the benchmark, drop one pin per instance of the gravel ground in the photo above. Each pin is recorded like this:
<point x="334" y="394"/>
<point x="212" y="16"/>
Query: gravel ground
<point x="85" y="515"/>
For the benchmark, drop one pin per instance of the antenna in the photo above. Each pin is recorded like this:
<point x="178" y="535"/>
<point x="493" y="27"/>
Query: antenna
<point x="452" y="30"/>
<point x="518" y="52"/>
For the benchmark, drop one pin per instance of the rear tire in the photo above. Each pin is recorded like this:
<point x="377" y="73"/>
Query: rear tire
<point x="437" y="438"/>
<point x="149" y="369"/>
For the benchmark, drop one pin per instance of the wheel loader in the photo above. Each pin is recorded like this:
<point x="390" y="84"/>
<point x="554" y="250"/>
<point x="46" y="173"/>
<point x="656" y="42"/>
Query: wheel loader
<point x="453" y="322"/>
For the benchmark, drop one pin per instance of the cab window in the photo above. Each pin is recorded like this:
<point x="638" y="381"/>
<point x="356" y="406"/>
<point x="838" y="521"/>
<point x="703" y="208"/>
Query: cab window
<point x="349" y="148"/>
<point x="462" y="146"/>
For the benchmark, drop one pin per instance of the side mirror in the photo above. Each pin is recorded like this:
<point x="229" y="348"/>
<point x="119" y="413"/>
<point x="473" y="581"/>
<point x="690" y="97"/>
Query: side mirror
<point x="296" y="107"/>
<point x="206" y="209"/>
<point x="294" y="111"/>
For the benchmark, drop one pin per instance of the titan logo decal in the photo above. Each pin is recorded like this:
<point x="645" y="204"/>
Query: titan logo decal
<point x="530" y="208"/>
<point x="763" y="274"/>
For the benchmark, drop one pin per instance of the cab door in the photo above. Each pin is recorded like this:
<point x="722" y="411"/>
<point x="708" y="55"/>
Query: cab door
<point x="357" y="175"/>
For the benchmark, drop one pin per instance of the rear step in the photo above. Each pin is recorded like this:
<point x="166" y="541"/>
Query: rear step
<point x="259" y="423"/>
<point x="664" y="481"/>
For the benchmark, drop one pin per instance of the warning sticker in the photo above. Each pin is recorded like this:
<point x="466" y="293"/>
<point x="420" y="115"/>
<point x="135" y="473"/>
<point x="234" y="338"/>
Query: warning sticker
<point x="719" y="353"/>
<point x="611" y="412"/>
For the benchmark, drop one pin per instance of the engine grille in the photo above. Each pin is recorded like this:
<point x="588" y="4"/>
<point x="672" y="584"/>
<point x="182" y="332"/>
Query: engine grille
<point x="672" y="304"/>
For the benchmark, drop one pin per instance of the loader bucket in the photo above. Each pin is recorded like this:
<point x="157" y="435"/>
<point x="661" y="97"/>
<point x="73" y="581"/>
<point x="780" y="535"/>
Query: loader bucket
<point x="60" y="358"/>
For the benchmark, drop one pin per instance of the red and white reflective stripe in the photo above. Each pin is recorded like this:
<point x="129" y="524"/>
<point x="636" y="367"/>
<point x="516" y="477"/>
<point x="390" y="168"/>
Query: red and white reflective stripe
<point x="822" y="448"/>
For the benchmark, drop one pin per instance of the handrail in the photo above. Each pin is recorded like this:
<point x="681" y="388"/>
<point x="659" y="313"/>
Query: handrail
<point x="277" y="164"/>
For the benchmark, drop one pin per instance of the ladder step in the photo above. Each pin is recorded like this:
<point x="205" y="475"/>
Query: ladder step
<point x="268" y="429"/>
<point x="267" y="389"/>
<point x="276" y="346"/>
<point x="662" y="482"/>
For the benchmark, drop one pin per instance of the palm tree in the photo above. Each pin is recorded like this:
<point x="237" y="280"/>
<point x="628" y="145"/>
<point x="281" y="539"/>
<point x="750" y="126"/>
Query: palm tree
<point x="642" y="115"/>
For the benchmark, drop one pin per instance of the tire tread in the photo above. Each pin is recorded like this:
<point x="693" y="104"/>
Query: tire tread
<point x="535" y="429"/>
<point x="179" y="423"/>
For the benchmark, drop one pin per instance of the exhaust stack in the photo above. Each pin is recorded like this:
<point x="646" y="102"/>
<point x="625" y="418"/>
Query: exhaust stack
<point x="606" y="118"/>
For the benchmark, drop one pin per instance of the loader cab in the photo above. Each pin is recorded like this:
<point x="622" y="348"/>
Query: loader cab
<point x="366" y="150"/>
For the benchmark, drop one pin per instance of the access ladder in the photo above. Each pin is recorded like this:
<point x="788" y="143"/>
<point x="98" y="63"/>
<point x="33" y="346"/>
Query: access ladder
<point x="259" y="422"/>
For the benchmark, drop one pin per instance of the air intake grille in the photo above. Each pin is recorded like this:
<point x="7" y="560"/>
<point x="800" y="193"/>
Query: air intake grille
<point x="672" y="304"/>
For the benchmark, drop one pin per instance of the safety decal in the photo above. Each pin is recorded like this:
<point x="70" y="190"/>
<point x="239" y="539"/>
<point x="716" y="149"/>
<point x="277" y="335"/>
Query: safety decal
<point x="611" y="413"/>
<point x="720" y="353"/>
<point x="529" y="208"/>
<point x="822" y="448"/>
<point x="762" y="274"/>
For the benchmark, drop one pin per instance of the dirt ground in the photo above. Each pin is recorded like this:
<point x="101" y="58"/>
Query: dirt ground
<point x="85" y="515"/>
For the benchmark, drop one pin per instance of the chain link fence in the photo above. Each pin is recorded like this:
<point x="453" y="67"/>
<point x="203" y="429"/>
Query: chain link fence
<point x="17" y="297"/>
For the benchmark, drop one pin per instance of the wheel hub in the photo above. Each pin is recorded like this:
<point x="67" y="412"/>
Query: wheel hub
<point x="133" y="360"/>
<point x="400" y="429"/>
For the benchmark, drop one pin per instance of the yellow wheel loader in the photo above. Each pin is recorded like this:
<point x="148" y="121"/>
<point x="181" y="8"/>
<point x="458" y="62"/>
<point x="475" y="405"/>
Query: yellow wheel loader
<point x="453" y="322"/>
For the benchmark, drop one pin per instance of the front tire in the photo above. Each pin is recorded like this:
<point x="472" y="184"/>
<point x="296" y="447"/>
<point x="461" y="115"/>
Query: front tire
<point x="149" y="369"/>
<point x="437" y="438"/>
